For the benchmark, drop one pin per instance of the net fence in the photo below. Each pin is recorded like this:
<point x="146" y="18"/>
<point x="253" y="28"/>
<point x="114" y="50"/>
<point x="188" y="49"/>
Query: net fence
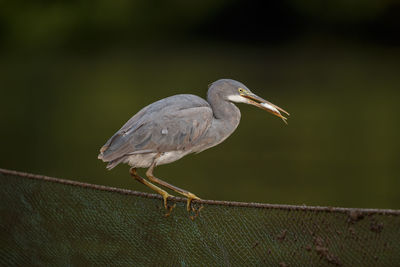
<point x="48" y="221"/>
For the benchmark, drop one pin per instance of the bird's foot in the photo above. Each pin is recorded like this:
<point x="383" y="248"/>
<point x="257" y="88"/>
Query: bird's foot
<point x="190" y="197"/>
<point x="196" y="212"/>
<point x="169" y="210"/>
<point x="165" y="196"/>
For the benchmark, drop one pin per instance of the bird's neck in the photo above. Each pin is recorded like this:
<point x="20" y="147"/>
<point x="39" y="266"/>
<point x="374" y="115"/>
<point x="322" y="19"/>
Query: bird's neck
<point x="226" y="114"/>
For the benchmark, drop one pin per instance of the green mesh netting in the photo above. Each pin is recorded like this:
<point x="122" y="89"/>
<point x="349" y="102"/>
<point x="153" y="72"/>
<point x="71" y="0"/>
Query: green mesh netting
<point x="48" y="221"/>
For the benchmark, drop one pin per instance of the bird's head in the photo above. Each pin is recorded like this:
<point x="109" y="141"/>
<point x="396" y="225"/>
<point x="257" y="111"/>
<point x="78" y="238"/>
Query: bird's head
<point x="237" y="92"/>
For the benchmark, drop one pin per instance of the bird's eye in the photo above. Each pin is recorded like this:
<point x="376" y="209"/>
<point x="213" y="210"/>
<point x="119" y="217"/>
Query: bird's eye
<point x="241" y="90"/>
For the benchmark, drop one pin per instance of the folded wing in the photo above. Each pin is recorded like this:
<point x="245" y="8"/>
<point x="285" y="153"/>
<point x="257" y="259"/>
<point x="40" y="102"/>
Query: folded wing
<point x="171" y="124"/>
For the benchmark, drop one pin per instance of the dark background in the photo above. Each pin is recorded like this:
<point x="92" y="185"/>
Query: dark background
<point x="72" y="72"/>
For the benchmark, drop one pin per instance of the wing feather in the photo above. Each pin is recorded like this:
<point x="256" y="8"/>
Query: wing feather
<point x="174" y="123"/>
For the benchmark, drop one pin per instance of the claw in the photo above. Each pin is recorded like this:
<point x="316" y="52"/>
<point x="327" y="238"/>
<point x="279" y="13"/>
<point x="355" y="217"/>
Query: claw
<point x="196" y="212"/>
<point x="169" y="208"/>
<point x="165" y="196"/>
<point x="190" y="197"/>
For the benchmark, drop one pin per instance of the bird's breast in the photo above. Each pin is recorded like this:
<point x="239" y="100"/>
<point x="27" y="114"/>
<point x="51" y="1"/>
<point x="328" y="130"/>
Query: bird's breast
<point x="146" y="159"/>
<point x="171" y="156"/>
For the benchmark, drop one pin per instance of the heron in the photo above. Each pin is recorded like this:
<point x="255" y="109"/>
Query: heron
<point x="176" y="126"/>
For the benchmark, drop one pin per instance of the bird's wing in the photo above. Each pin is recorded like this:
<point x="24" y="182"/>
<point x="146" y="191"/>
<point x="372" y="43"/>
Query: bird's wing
<point x="171" y="124"/>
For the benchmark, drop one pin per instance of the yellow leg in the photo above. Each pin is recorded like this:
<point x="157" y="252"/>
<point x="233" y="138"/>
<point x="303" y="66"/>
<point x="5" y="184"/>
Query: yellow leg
<point x="190" y="196"/>
<point x="163" y="193"/>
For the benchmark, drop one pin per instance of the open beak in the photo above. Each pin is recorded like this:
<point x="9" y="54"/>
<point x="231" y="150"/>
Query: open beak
<point x="265" y="105"/>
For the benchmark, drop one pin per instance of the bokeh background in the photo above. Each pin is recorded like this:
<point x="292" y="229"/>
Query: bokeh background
<point x="72" y="72"/>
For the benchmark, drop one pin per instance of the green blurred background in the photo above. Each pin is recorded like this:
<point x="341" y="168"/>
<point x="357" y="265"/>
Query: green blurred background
<point x="72" y="72"/>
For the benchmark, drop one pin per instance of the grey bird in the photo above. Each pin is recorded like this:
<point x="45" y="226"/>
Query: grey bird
<point x="176" y="126"/>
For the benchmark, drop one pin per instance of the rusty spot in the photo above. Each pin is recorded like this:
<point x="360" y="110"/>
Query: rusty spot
<point x="323" y="251"/>
<point x="355" y="216"/>
<point x="352" y="231"/>
<point x="376" y="227"/>
<point x="282" y="235"/>
<point x="308" y="247"/>
<point x="282" y="264"/>
<point x="255" y="245"/>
